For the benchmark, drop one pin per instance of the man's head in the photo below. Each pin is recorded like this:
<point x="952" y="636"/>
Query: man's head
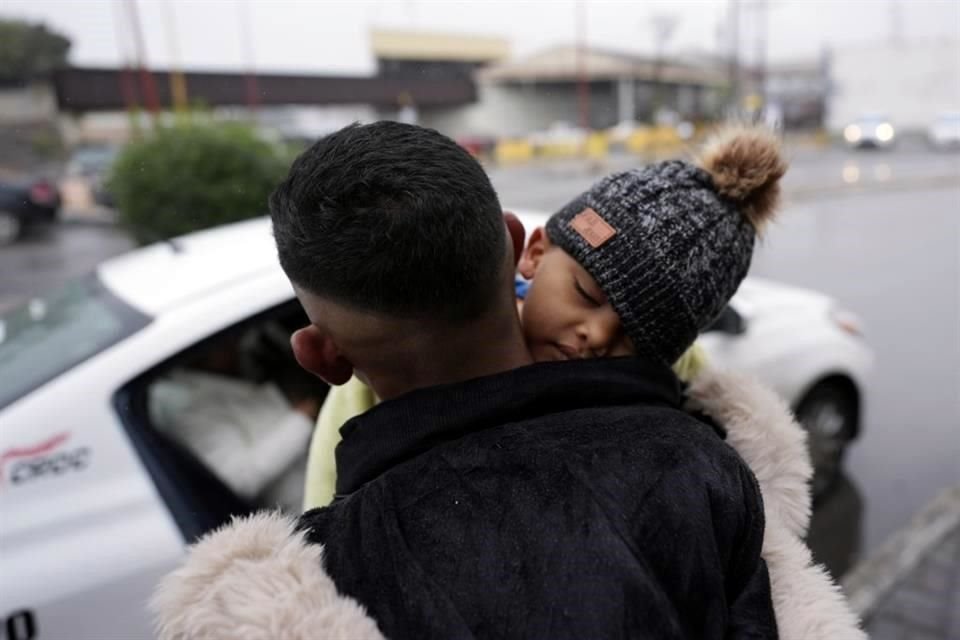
<point x="394" y="240"/>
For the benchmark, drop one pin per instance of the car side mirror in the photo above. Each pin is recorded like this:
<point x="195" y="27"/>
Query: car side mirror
<point x="729" y="321"/>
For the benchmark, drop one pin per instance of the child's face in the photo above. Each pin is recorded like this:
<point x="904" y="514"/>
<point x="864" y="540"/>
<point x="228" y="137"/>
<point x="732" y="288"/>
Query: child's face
<point x="565" y="314"/>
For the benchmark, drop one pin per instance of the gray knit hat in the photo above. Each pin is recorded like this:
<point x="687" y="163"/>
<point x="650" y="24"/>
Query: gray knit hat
<point x="670" y="243"/>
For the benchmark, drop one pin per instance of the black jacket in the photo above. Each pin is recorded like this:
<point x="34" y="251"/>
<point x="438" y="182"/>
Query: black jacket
<point x="561" y="500"/>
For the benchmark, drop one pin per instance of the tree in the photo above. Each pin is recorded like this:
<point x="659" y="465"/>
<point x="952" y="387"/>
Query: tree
<point x="190" y="177"/>
<point x="29" y="51"/>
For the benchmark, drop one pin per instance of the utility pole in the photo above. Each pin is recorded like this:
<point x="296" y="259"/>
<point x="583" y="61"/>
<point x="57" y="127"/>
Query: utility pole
<point x="583" y="80"/>
<point x="734" y="70"/>
<point x="147" y="85"/>
<point x="246" y="43"/>
<point x="663" y="27"/>
<point x="763" y="23"/>
<point x="178" y="83"/>
<point x="128" y="88"/>
<point x="896" y="23"/>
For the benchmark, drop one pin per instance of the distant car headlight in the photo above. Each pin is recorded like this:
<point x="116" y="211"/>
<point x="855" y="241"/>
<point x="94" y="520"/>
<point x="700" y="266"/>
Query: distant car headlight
<point x="884" y="132"/>
<point x="852" y="133"/>
<point x="847" y="321"/>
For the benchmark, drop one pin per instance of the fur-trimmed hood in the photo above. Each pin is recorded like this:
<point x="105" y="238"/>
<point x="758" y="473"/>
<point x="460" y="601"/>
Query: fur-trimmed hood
<point x="258" y="579"/>
<point x="808" y="603"/>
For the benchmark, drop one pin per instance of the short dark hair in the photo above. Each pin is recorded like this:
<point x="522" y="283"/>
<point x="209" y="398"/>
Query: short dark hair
<point x="391" y="218"/>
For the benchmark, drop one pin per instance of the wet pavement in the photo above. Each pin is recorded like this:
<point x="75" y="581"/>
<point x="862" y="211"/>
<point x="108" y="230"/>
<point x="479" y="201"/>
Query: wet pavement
<point x="893" y="258"/>
<point x="926" y="606"/>
<point x="910" y="588"/>
<point x="47" y="258"/>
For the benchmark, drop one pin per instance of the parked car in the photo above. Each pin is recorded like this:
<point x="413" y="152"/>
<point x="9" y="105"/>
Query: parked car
<point x="871" y="130"/>
<point x="944" y="133"/>
<point x="479" y="146"/>
<point x="810" y="350"/>
<point x="90" y="165"/>
<point x="25" y="203"/>
<point x="99" y="502"/>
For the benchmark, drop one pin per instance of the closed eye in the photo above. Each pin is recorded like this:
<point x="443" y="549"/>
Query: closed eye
<point x="586" y="296"/>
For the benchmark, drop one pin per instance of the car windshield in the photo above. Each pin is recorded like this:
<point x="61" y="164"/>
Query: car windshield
<point x="92" y="159"/>
<point x="49" y="335"/>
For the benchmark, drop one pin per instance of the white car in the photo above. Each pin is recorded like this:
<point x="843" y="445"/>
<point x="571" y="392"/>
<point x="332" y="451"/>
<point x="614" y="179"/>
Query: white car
<point x="871" y="130"/>
<point x="807" y="348"/>
<point x="97" y="503"/>
<point x="944" y="133"/>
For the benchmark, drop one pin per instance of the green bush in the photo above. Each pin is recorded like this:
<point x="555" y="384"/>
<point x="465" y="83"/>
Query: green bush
<point x="190" y="177"/>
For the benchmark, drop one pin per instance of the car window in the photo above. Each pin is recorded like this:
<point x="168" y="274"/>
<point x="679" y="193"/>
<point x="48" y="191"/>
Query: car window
<point x="91" y="160"/>
<point x="50" y="335"/>
<point x="243" y="407"/>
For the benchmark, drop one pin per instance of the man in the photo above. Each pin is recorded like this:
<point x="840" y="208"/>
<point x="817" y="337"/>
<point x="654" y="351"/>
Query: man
<point x="485" y="497"/>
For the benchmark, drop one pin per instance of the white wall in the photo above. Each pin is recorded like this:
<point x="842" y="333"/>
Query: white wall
<point x="515" y="110"/>
<point x="32" y="104"/>
<point x="910" y="83"/>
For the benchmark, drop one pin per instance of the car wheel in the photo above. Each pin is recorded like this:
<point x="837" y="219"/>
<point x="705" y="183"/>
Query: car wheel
<point x="10" y="228"/>
<point x="829" y="414"/>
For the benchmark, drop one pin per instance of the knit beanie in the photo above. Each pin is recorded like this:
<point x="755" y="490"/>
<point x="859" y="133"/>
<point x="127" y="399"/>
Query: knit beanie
<point x="669" y="243"/>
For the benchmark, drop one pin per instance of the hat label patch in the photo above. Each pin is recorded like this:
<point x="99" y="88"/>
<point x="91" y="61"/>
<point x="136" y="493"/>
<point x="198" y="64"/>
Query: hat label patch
<point x="592" y="228"/>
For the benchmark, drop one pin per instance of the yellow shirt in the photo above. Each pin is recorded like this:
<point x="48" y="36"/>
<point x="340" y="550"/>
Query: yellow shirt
<point x="342" y="403"/>
<point x="354" y="397"/>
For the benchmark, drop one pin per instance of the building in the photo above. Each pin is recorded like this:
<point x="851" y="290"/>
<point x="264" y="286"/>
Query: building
<point x="434" y="55"/>
<point x="908" y="82"/>
<point x="531" y="93"/>
<point x="799" y="91"/>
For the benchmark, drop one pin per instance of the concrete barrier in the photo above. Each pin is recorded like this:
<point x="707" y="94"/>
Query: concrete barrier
<point x="597" y="146"/>
<point x="559" y="150"/>
<point x="513" y="151"/>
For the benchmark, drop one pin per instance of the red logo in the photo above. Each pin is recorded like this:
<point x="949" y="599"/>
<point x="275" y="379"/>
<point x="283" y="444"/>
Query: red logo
<point x="29" y="452"/>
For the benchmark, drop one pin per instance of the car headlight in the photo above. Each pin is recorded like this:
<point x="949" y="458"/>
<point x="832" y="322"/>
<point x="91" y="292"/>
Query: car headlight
<point x="847" y="321"/>
<point x="852" y="133"/>
<point x="884" y="132"/>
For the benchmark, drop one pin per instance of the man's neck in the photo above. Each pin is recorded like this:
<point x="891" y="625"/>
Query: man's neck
<point x="487" y="348"/>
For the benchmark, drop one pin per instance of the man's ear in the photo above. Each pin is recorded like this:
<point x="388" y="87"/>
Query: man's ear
<point x="517" y="233"/>
<point x="316" y="352"/>
<point x="533" y="254"/>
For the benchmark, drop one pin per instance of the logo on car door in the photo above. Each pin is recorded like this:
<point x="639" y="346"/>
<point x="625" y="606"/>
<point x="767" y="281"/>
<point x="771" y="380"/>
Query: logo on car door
<point x="20" y="465"/>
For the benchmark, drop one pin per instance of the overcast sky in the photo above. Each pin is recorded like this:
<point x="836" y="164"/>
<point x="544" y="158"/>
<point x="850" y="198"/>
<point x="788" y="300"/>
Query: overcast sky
<point x="330" y="36"/>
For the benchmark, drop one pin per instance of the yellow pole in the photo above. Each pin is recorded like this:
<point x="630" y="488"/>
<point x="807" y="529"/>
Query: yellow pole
<point x="178" y="82"/>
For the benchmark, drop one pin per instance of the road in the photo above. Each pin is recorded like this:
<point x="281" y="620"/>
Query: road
<point x="879" y="231"/>
<point x="893" y="258"/>
<point x="813" y="173"/>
